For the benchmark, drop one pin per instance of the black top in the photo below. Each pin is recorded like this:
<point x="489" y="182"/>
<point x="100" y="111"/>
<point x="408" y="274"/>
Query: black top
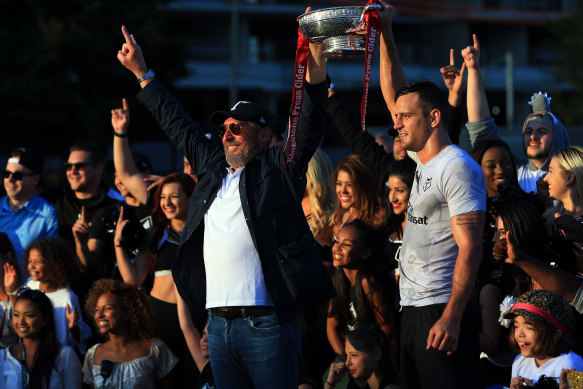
<point x="166" y="252"/>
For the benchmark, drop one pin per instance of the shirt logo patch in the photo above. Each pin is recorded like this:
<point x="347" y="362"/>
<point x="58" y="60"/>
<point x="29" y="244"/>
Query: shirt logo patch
<point x="427" y="184"/>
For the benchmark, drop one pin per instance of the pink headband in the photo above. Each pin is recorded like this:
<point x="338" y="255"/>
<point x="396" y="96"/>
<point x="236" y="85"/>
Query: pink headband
<point x="541" y="312"/>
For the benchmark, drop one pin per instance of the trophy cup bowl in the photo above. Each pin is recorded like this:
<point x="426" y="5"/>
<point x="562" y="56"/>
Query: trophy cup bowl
<point x="337" y="27"/>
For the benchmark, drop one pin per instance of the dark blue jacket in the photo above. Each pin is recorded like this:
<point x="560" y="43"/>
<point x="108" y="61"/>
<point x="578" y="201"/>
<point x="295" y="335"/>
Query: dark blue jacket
<point x="271" y="194"/>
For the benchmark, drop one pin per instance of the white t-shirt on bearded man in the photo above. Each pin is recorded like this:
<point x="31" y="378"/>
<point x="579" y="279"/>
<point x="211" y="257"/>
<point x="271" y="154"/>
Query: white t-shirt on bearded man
<point x="450" y="184"/>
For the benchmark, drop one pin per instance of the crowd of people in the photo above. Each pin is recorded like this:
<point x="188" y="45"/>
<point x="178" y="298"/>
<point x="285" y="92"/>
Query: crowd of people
<point x="410" y="264"/>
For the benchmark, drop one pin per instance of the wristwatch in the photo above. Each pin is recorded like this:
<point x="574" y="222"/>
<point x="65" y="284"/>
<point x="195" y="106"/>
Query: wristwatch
<point x="147" y="76"/>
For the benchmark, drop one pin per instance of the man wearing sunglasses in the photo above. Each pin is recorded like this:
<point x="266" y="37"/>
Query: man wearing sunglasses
<point x="86" y="191"/>
<point x="247" y="254"/>
<point x="24" y="216"/>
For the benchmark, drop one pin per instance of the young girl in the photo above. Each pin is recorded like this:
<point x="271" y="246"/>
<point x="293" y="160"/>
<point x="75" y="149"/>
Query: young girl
<point x="365" y="293"/>
<point x="39" y="361"/>
<point x="48" y="262"/>
<point x="542" y="320"/>
<point x="366" y="359"/>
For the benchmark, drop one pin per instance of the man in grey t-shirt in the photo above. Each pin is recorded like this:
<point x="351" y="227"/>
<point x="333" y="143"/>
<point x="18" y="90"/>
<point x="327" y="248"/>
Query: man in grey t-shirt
<point x="442" y="246"/>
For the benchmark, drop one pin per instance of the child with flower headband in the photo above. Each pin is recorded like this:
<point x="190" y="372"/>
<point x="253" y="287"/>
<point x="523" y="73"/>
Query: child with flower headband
<point x="541" y="322"/>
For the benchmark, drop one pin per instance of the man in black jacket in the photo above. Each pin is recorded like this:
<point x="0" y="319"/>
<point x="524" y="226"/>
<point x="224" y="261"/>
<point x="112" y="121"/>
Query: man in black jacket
<point x="247" y="254"/>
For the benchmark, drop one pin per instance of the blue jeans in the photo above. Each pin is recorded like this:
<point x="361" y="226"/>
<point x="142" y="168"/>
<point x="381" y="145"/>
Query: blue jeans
<point x="254" y="352"/>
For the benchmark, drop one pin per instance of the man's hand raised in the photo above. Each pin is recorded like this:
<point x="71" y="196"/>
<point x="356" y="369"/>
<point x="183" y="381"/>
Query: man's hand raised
<point x="131" y="55"/>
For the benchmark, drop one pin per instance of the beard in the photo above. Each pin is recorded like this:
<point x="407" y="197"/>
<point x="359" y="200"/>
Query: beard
<point x="247" y="150"/>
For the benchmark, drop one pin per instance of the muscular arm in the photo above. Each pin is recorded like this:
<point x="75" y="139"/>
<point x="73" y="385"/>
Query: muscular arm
<point x="467" y="230"/>
<point x="391" y="71"/>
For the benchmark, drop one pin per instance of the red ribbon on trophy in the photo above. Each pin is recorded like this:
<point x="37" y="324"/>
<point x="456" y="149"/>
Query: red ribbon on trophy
<point x="372" y="31"/>
<point x="301" y="66"/>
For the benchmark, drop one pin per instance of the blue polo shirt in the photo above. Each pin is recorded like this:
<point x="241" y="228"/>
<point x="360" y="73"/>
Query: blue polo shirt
<point x="35" y="220"/>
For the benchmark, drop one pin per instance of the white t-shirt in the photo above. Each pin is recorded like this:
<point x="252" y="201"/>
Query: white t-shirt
<point x="450" y="184"/>
<point x="526" y="367"/>
<point x="527" y="178"/>
<point x="67" y="375"/>
<point x="60" y="299"/>
<point x="234" y="276"/>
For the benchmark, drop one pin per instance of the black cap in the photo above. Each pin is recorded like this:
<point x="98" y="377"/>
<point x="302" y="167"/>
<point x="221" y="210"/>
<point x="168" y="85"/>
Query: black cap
<point x="142" y="162"/>
<point x="244" y="111"/>
<point x="27" y="157"/>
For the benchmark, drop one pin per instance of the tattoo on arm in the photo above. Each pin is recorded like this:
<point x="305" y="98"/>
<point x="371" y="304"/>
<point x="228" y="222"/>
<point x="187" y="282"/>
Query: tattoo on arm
<point x="472" y="221"/>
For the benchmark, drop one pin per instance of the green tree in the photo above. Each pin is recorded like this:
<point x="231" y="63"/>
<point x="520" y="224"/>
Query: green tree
<point x="60" y="75"/>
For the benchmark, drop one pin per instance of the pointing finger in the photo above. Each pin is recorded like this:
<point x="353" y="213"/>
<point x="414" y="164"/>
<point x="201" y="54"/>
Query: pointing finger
<point x="451" y="57"/>
<point x="83" y="213"/>
<point x="126" y="35"/>
<point x="124" y="104"/>
<point x="476" y="42"/>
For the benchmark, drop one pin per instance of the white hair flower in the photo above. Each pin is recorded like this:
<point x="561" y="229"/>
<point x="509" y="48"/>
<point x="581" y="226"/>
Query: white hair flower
<point x="506" y="306"/>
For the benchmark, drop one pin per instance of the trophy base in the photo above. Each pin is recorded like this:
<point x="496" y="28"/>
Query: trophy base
<point x="344" y="46"/>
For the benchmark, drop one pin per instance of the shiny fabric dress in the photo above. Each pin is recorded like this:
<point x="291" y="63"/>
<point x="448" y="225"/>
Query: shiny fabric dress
<point x="140" y="373"/>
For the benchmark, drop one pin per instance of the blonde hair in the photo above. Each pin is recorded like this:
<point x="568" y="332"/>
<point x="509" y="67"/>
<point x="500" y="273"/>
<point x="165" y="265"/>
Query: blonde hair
<point x="570" y="160"/>
<point x="321" y="197"/>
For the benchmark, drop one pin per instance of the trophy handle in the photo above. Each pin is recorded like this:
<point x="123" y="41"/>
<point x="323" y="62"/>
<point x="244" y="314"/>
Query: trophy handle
<point x="359" y="27"/>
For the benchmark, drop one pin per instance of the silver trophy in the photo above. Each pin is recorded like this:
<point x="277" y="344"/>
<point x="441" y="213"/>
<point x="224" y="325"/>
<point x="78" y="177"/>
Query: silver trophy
<point x="340" y="29"/>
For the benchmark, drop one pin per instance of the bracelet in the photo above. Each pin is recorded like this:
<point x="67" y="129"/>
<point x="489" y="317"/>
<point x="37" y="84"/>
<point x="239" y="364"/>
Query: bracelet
<point x="120" y="134"/>
<point x="11" y="293"/>
<point x="146" y="76"/>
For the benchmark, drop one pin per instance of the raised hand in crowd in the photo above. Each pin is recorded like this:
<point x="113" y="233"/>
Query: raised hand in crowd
<point x="125" y="167"/>
<point x="81" y="227"/>
<point x="10" y="281"/>
<point x="453" y="78"/>
<point x="131" y="56"/>
<point x="72" y="316"/>
<point x="391" y="70"/>
<point x="477" y="103"/>
<point x="120" y="118"/>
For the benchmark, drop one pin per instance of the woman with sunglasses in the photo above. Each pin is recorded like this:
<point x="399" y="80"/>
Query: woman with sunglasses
<point x="171" y="201"/>
<point x="39" y="360"/>
<point x="131" y="357"/>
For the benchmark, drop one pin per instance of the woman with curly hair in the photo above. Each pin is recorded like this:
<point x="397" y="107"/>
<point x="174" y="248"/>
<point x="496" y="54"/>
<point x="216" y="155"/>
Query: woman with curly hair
<point x="131" y="357"/>
<point x="171" y="201"/>
<point x="9" y="282"/>
<point x="48" y="262"/>
<point x="358" y="194"/>
<point x="39" y="361"/>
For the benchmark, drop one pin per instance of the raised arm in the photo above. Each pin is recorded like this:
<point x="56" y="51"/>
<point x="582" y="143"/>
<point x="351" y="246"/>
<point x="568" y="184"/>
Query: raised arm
<point x="125" y="167"/>
<point x="391" y="71"/>
<point x="133" y="273"/>
<point x="131" y="57"/>
<point x="453" y="80"/>
<point x="467" y="230"/>
<point x="476" y="96"/>
<point x="556" y="280"/>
